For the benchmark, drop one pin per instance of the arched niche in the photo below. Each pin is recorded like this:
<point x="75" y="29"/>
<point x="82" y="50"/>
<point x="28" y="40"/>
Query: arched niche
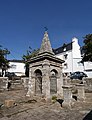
<point x="53" y="81"/>
<point x="38" y="81"/>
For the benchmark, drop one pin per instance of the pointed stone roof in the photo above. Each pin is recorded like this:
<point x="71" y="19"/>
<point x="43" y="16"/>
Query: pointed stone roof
<point x="45" y="52"/>
<point x="46" y="46"/>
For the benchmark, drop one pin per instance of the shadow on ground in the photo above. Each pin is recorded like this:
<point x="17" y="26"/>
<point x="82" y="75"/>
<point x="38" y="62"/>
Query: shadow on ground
<point x="60" y="101"/>
<point x="88" y="116"/>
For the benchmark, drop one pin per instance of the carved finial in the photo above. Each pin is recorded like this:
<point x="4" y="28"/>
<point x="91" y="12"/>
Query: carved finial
<point x="46" y="29"/>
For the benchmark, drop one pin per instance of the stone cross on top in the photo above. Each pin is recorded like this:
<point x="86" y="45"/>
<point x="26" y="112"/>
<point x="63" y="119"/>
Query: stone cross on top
<point x="46" y="46"/>
<point x="46" y="29"/>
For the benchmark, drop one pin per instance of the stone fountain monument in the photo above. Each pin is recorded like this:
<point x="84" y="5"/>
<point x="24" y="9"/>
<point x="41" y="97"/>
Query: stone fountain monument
<point x="45" y="72"/>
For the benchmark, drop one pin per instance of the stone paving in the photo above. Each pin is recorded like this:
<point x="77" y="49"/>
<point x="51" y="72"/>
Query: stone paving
<point x="33" y="109"/>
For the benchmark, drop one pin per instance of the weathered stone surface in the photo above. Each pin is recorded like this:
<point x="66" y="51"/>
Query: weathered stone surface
<point x="3" y="83"/>
<point x="25" y="81"/>
<point x="41" y="110"/>
<point x="9" y="103"/>
<point x="81" y="92"/>
<point x="4" y="118"/>
<point x="67" y="94"/>
<point x="88" y="83"/>
<point x="46" y="46"/>
<point x="43" y="69"/>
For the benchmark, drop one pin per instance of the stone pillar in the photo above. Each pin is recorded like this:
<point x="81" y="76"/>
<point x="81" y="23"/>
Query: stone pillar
<point x="67" y="94"/>
<point x="25" y="81"/>
<point x="3" y="83"/>
<point x="31" y="87"/>
<point x="43" y="85"/>
<point x="47" y="88"/>
<point x="81" y="92"/>
<point x="59" y="85"/>
<point x="31" y="84"/>
<point x="46" y="81"/>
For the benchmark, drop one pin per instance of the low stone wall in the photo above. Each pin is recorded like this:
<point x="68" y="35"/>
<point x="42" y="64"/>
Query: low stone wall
<point x="3" y="83"/>
<point x="68" y="81"/>
<point x="15" y="84"/>
<point x="25" y="81"/>
<point x="88" y="83"/>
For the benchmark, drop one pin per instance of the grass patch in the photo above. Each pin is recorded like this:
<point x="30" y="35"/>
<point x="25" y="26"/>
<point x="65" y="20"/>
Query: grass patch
<point x="54" y="99"/>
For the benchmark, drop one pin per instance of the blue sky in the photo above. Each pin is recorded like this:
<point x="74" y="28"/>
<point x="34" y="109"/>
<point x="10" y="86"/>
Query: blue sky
<point x="22" y="23"/>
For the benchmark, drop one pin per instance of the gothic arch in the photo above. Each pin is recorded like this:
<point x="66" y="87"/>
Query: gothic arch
<point x="54" y="72"/>
<point x="38" y="72"/>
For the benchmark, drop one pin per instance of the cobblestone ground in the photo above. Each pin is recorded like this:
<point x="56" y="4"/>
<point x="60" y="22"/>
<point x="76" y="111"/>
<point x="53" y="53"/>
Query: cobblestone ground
<point x="37" y="110"/>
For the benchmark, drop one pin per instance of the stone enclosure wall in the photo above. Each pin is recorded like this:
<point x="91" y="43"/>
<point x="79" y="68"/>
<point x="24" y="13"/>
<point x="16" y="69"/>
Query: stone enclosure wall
<point x="86" y="81"/>
<point x="88" y="84"/>
<point x="15" y="83"/>
<point x="3" y="83"/>
<point x="25" y="81"/>
<point x="66" y="81"/>
<point x="75" y="89"/>
<point x="72" y="89"/>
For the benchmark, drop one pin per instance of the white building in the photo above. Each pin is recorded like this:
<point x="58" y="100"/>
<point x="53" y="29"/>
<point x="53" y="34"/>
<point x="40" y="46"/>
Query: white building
<point x="71" y="54"/>
<point x="17" y="66"/>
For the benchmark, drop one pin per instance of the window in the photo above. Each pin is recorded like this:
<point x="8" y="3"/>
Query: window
<point x="13" y="66"/>
<point x="65" y="65"/>
<point x="65" y="56"/>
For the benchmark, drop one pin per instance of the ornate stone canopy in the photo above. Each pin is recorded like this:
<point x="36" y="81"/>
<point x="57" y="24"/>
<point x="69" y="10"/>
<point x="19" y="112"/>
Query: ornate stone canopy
<point x="45" y="71"/>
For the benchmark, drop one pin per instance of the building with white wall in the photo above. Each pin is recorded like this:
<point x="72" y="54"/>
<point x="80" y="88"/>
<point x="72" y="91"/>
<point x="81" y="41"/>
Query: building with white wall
<point x="71" y="54"/>
<point x="17" y="66"/>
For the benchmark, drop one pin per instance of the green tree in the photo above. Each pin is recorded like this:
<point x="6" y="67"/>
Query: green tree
<point x="87" y="48"/>
<point x="3" y="59"/>
<point x="29" y="54"/>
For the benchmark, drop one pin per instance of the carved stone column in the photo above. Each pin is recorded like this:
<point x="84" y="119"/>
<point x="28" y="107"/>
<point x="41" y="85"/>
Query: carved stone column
<point x="59" y="85"/>
<point x="46" y="81"/>
<point x="67" y="94"/>
<point x="81" y="92"/>
<point x="31" y="84"/>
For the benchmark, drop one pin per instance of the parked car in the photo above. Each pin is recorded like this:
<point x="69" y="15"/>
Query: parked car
<point x="78" y="75"/>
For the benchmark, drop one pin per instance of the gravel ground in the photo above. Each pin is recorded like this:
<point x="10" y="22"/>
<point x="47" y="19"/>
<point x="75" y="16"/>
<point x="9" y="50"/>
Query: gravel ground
<point x="38" y="110"/>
